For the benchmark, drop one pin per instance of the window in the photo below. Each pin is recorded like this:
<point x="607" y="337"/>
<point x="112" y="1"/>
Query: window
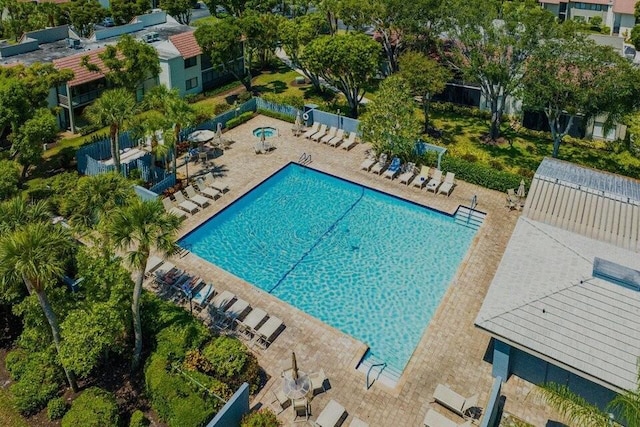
<point x="191" y="62"/>
<point x="590" y="6"/>
<point x="191" y="83"/>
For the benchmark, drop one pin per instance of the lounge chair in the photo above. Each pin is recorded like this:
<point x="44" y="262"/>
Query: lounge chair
<point x="152" y="265"/>
<point x="201" y="298"/>
<point x="368" y="163"/>
<point x="237" y="310"/>
<point x="349" y="142"/>
<point x="435" y="419"/>
<point x="380" y="165"/>
<point x="329" y="136"/>
<point x="312" y="131"/>
<point x="317" y="380"/>
<point x="301" y="409"/>
<point x="268" y="331"/>
<point x="453" y="401"/>
<point x="422" y="179"/>
<point x="164" y="269"/>
<point x="222" y="301"/>
<point x="185" y="204"/>
<point x="321" y="132"/>
<point x="281" y="400"/>
<point x="212" y="193"/>
<point x="448" y="184"/>
<point x="513" y="202"/>
<point x="168" y="206"/>
<point x="337" y="139"/>
<point x="408" y="174"/>
<point x="393" y="169"/>
<point x="331" y="415"/>
<point x="218" y="184"/>
<point x="196" y="198"/>
<point x="435" y="181"/>
<point x="248" y="326"/>
<point x="357" y="422"/>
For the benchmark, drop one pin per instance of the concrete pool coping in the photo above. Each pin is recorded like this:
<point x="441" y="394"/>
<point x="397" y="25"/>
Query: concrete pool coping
<point x="450" y="351"/>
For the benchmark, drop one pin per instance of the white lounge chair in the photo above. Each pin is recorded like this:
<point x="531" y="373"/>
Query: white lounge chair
<point x="436" y="419"/>
<point x="210" y="192"/>
<point x="330" y="415"/>
<point x="168" y="206"/>
<point x="422" y="179"/>
<point x="453" y="401"/>
<point x="185" y="204"/>
<point x="196" y="198"/>
<point x="221" y="301"/>
<point x="380" y="166"/>
<point x="330" y="135"/>
<point x="312" y="131"/>
<point x="248" y="326"/>
<point x="201" y="298"/>
<point x="217" y="183"/>
<point x="237" y="310"/>
<point x="368" y="163"/>
<point x="447" y="185"/>
<point x="435" y="181"/>
<point x="349" y="142"/>
<point x="337" y="139"/>
<point x="267" y="332"/>
<point x="321" y="132"/>
<point x="408" y="174"/>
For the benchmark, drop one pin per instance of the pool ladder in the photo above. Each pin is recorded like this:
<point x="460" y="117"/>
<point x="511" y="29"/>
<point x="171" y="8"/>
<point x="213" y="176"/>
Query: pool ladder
<point x="382" y="366"/>
<point x="304" y="159"/>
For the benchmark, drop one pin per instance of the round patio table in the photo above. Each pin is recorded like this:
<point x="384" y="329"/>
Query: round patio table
<point x="296" y="389"/>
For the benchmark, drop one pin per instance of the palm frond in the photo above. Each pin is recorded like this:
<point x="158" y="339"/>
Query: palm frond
<point x="571" y="406"/>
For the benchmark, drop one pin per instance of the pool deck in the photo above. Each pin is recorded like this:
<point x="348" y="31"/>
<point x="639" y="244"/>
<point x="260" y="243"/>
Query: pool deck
<point x="451" y="350"/>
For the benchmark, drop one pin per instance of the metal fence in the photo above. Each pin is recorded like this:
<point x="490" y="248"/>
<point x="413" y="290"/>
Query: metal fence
<point x="168" y="182"/>
<point x="286" y="110"/>
<point x="337" y="120"/>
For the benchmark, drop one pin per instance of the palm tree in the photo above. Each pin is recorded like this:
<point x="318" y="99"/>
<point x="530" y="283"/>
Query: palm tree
<point x="137" y="229"/>
<point x="114" y="108"/>
<point x="576" y="410"/>
<point x="34" y="255"/>
<point x="175" y="109"/>
<point x="18" y="211"/>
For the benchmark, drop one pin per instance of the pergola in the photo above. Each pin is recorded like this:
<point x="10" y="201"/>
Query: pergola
<point x="423" y="147"/>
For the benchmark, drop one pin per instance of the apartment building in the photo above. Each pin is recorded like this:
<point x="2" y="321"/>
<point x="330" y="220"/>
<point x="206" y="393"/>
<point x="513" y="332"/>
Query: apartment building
<point x="618" y="15"/>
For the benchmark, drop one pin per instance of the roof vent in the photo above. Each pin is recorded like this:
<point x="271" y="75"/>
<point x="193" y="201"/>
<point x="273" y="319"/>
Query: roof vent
<point x="616" y="273"/>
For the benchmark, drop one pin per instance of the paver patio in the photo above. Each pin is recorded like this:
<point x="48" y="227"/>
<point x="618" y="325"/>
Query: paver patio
<point x="451" y="350"/>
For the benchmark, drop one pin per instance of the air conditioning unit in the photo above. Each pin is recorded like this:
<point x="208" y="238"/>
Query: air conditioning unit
<point x="73" y="43"/>
<point x="148" y="37"/>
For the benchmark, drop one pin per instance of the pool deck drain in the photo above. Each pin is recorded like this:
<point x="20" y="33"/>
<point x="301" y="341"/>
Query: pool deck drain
<point x="451" y="350"/>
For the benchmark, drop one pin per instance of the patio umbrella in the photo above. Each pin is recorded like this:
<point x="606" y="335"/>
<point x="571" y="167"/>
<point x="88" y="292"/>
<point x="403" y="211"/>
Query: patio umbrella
<point x="201" y="136"/>
<point x="294" y="366"/>
<point x="520" y="193"/>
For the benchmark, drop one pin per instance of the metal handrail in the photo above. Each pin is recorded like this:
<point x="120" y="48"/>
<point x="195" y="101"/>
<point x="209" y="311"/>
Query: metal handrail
<point x="304" y="159"/>
<point x="383" y="364"/>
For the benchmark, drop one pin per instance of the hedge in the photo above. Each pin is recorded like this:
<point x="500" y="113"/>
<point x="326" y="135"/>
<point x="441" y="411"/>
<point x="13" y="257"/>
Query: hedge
<point x="93" y="408"/>
<point x="56" y="408"/>
<point x="242" y="118"/>
<point x="232" y="363"/>
<point x="138" y="419"/>
<point x="279" y="116"/>
<point x="482" y="175"/>
<point x="262" y="418"/>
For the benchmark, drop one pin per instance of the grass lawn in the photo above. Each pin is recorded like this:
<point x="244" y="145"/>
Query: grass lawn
<point x="8" y="414"/>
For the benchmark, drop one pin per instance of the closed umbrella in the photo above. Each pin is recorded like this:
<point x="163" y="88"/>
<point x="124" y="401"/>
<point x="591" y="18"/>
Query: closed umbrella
<point x="294" y="366"/>
<point x="219" y="131"/>
<point x="521" y="192"/>
<point x="297" y="126"/>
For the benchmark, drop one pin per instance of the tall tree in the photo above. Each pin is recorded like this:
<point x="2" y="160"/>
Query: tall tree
<point x="34" y="255"/>
<point x="492" y="48"/>
<point x="84" y="14"/>
<point x="124" y="11"/>
<point x="137" y="229"/>
<point x="390" y="123"/>
<point x="425" y="76"/>
<point x="237" y="8"/>
<point x="179" y="9"/>
<point x="28" y="142"/>
<point x="330" y="9"/>
<point x="297" y="33"/>
<point x="346" y="61"/>
<point x="260" y="36"/>
<point x="114" y="108"/>
<point x="570" y="77"/>
<point x="222" y="42"/>
<point x="9" y="179"/>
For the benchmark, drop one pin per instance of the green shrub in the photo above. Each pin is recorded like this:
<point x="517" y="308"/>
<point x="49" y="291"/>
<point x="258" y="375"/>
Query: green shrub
<point x="262" y="418"/>
<point x="56" y="408"/>
<point x="232" y="363"/>
<point x="244" y="96"/>
<point x="38" y="380"/>
<point x="221" y="108"/>
<point x="242" y="118"/>
<point x="175" y="340"/>
<point x="138" y="419"/>
<point x="479" y="174"/>
<point x="93" y="408"/>
<point x="16" y="363"/>
<point x="462" y="110"/>
<point x="296" y="101"/>
<point x="9" y="179"/>
<point x="279" y="116"/>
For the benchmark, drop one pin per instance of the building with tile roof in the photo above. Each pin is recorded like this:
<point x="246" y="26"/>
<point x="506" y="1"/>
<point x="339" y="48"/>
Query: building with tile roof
<point x="564" y="304"/>
<point x="618" y="15"/>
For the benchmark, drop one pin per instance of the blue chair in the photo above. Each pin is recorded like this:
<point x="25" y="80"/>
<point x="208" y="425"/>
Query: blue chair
<point x="393" y="169"/>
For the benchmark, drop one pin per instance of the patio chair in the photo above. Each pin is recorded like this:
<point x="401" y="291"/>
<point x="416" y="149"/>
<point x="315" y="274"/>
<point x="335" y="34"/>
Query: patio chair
<point x="329" y="136"/>
<point x="210" y="192"/>
<point x="380" y="166"/>
<point x="168" y="206"/>
<point x="350" y="142"/>
<point x="281" y="400"/>
<point x="268" y="331"/>
<point x="393" y="169"/>
<point x="312" y="131"/>
<point x="196" y="198"/>
<point x="218" y="184"/>
<point x="337" y="139"/>
<point x="422" y="179"/>
<point x="408" y="174"/>
<point x="435" y="181"/>
<point x="321" y="132"/>
<point x="368" y="163"/>
<point x="448" y="184"/>
<point x="436" y="419"/>
<point x="317" y="381"/>
<point x="185" y="204"/>
<point x="301" y="409"/>
<point x="331" y="415"/>
<point x="248" y="326"/>
<point x="513" y="201"/>
<point x="453" y="401"/>
<point x="238" y="310"/>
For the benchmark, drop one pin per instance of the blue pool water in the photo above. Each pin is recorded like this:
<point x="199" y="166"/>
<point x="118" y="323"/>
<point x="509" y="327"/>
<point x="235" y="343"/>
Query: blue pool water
<point x="364" y="262"/>
<point x="268" y="132"/>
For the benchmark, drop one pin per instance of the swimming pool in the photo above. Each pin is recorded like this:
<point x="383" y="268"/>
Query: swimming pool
<point x="367" y="263"/>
